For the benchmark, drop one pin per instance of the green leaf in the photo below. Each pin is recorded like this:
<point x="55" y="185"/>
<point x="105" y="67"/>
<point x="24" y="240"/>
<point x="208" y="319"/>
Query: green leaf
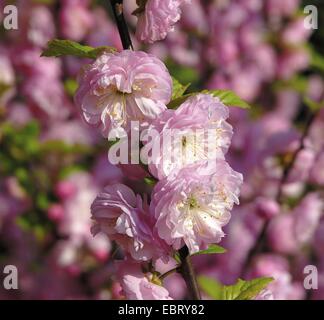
<point x="212" y="249"/>
<point x="3" y="89"/>
<point x="42" y="201"/>
<point x="297" y="83"/>
<point x="316" y="59"/>
<point x="241" y="290"/>
<point x="178" y="88"/>
<point x="177" y="257"/>
<point x="150" y="181"/>
<point x="229" y="98"/>
<point x="211" y="287"/>
<point x="250" y="289"/>
<point x="70" y="86"/>
<point x="313" y="105"/>
<point x="175" y="103"/>
<point x="57" y="48"/>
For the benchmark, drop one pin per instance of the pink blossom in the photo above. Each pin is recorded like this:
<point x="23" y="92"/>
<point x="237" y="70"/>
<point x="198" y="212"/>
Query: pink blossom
<point x="295" y="33"/>
<point x="133" y="171"/>
<point x="72" y="132"/>
<point x="104" y="31"/>
<point x="55" y="212"/>
<point x="307" y="216"/>
<point x="65" y="189"/>
<point x="124" y="217"/>
<point x="158" y="19"/>
<point x="139" y="286"/>
<point x="76" y="222"/>
<point x="267" y="208"/>
<point x="302" y="166"/>
<point x="283" y="287"/>
<point x="29" y="62"/>
<point x="194" y="17"/>
<point x="317" y="172"/>
<point x="41" y="27"/>
<point x="281" y="236"/>
<point x="192" y="206"/>
<point x="123" y="87"/>
<point x="315" y="88"/>
<point x="75" y="19"/>
<point x="18" y="113"/>
<point x="198" y="130"/>
<point x="7" y="78"/>
<point x="7" y="75"/>
<point x="264" y="295"/>
<point x="318" y="241"/>
<point x="284" y="8"/>
<point x="46" y="102"/>
<point x="106" y="173"/>
<point x="291" y="62"/>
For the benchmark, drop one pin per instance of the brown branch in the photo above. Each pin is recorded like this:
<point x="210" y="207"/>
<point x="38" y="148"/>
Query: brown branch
<point x="188" y="274"/>
<point x="118" y="10"/>
<point x="168" y="273"/>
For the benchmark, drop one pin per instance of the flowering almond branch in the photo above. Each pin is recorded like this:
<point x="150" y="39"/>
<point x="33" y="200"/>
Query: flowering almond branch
<point x="186" y="268"/>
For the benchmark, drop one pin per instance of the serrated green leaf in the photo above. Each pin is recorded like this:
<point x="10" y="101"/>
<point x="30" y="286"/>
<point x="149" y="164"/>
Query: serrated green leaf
<point x="229" y="98"/>
<point x="212" y="249"/>
<point x="211" y="287"/>
<point x="178" y="88"/>
<point x="250" y="289"/>
<point x="57" y="48"/>
<point x="241" y="290"/>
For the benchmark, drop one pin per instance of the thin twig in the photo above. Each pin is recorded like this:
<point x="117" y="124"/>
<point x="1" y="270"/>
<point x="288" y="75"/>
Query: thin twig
<point x="188" y="274"/>
<point x="118" y="10"/>
<point x="168" y="273"/>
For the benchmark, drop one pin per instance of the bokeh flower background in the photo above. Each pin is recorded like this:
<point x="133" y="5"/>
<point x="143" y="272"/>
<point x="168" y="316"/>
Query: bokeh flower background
<point x="52" y="165"/>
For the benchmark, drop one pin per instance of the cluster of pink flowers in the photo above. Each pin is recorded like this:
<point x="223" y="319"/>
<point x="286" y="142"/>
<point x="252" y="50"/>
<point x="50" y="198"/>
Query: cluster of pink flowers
<point x="187" y="208"/>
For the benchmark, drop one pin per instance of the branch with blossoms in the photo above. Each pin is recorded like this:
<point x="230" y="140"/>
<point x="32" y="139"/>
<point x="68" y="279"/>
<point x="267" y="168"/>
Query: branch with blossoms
<point x="184" y="136"/>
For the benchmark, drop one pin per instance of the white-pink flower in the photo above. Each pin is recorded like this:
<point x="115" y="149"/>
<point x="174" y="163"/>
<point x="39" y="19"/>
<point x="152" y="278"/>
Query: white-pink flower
<point x="122" y="87"/>
<point x="196" y="131"/>
<point x="124" y="217"/>
<point x="156" y="18"/>
<point x="192" y="206"/>
<point x="139" y="286"/>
